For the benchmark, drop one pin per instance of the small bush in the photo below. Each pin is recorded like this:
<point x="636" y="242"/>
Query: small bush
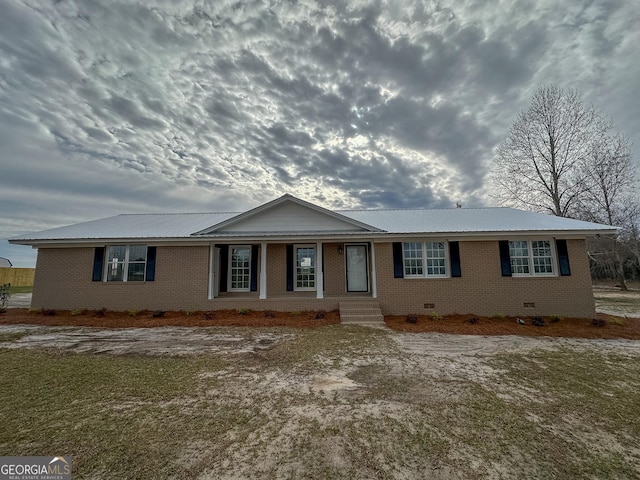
<point x="47" y="312"/>
<point x="411" y="318"/>
<point x="599" y="322"/>
<point x="209" y="315"/>
<point x="320" y="314"/>
<point x="243" y="311"/>
<point x="436" y="316"/>
<point x="473" y="320"/>
<point x="294" y="313"/>
<point x="537" y="321"/>
<point x="157" y="314"/>
<point x="555" y="318"/>
<point x="617" y="321"/>
<point x="77" y="311"/>
<point x="33" y="310"/>
<point x="100" y="313"/>
<point x="133" y="313"/>
<point x="498" y="316"/>
<point x="189" y="313"/>
<point x="268" y="314"/>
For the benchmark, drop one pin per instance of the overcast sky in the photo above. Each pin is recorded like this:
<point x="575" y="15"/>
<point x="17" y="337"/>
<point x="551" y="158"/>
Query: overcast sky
<point x="111" y="107"/>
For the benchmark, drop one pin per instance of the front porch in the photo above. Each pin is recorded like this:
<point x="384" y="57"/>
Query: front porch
<point x="286" y="276"/>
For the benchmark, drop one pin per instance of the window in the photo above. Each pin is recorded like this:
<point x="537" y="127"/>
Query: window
<point x="531" y="257"/>
<point x="126" y="263"/>
<point x="240" y="267"/>
<point x="425" y="259"/>
<point x="305" y="273"/>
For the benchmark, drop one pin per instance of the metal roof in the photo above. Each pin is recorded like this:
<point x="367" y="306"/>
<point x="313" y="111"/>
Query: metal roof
<point x="464" y="221"/>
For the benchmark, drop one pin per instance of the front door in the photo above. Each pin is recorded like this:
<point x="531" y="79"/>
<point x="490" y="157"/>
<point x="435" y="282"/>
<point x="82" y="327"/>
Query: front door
<point x="357" y="268"/>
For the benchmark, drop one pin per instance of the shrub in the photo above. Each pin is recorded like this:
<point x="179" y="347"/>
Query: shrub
<point x="554" y="318"/>
<point x="537" y="321"/>
<point x="157" y="314"/>
<point x="100" y="313"/>
<point x="498" y="316"/>
<point x="243" y="311"/>
<point x="473" y="320"/>
<point x="47" y="312"/>
<point x="77" y="311"/>
<point x="4" y="297"/>
<point x="189" y="313"/>
<point x="436" y="316"/>
<point x="599" y="322"/>
<point x="268" y="314"/>
<point x="209" y="315"/>
<point x="320" y="314"/>
<point x="133" y="313"/>
<point x="411" y="318"/>
<point x="294" y="313"/>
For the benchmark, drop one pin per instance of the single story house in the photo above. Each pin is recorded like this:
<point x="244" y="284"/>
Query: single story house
<point x="289" y="254"/>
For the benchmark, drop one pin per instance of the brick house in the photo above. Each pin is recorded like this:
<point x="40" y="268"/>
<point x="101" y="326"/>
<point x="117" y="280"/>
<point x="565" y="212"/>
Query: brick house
<point x="289" y="254"/>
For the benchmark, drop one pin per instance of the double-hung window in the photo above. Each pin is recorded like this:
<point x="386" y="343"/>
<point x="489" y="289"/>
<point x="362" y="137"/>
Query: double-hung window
<point x="531" y="257"/>
<point x="240" y="267"/>
<point x="305" y="268"/>
<point x="425" y="259"/>
<point x="126" y="263"/>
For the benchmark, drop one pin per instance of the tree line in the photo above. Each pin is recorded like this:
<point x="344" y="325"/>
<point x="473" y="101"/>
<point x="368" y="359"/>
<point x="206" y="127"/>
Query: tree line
<point x="563" y="157"/>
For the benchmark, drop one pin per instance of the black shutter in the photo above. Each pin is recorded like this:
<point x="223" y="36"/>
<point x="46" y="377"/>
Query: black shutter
<point x="254" y="268"/>
<point x="224" y="266"/>
<point x="289" y="268"/>
<point x="505" y="258"/>
<point x="398" y="267"/>
<point x="150" y="274"/>
<point x="98" y="262"/>
<point x="563" y="258"/>
<point x="454" y="255"/>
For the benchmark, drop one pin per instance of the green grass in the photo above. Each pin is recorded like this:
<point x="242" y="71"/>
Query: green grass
<point x="20" y="289"/>
<point x="563" y="413"/>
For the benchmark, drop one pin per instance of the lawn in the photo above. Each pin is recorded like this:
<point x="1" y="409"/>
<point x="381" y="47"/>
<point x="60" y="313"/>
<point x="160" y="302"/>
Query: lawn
<point x="331" y="402"/>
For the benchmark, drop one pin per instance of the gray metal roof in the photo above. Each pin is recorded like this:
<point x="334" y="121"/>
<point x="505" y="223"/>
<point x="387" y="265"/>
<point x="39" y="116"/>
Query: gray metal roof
<point x="465" y="221"/>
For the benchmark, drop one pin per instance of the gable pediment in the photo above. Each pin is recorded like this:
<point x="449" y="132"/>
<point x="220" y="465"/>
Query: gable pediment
<point x="288" y="214"/>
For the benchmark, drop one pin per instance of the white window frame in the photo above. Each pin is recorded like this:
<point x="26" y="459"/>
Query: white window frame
<point x="125" y="264"/>
<point x="296" y="288"/>
<point x="230" y="270"/>
<point x="530" y="258"/>
<point x="425" y="260"/>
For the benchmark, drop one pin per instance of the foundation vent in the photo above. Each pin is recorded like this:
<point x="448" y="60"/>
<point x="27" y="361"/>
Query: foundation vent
<point x="529" y="305"/>
<point x="429" y="305"/>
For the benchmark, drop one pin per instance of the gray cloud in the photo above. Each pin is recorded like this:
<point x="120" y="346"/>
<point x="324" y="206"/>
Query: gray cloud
<point x="191" y="106"/>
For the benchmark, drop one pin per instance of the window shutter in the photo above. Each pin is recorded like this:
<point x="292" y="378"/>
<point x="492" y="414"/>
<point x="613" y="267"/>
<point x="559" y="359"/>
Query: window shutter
<point x="454" y="254"/>
<point x="289" y="268"/>
<point x="224" y="266"/>
<point x="563" y="258"/>
<point x="398" y="267"/>
<point x="505" y="258"/>
<point x="150" y="274"/>
<point x="98" y="262"/>
<point x="254" y="268"/>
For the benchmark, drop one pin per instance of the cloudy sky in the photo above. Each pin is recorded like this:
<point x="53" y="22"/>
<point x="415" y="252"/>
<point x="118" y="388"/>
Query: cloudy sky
<point x="111" y="107"/>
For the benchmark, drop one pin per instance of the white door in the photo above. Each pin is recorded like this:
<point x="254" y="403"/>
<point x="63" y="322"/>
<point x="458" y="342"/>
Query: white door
<point x="357" y="271"/>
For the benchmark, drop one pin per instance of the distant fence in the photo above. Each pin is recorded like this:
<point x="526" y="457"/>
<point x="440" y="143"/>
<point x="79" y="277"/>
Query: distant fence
<point x="17" y="277"/>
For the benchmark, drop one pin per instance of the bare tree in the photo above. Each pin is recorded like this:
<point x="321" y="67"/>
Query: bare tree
<point x="608" y="197"/>
<point x="538" y="165"/>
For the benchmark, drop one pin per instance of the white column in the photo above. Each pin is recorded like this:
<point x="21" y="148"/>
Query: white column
<point x="263" y="270"/>
<point x="319" y="272"/>
<point x="374" y="281"/>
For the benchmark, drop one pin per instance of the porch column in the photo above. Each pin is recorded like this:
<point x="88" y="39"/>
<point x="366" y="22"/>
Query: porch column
<point x="263" y="270"/>
<point x="319" y="272"/>
<point x="374" y="281"/>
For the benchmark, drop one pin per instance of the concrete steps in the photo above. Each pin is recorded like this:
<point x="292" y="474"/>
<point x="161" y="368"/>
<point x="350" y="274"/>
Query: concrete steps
<point x="363" y="312"/>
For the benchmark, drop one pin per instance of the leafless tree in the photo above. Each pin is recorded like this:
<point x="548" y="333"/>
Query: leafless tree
<point x="609" y="195"/>
<point x="537" y="166"/>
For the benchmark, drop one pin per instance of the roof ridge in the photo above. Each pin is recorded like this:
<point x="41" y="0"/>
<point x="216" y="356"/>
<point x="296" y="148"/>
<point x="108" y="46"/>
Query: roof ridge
<point x="176" y="213"/>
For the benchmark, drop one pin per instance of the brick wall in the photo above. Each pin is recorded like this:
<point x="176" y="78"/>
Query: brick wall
<point x="63" y="281"/>
<point x="483" y="290"/>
